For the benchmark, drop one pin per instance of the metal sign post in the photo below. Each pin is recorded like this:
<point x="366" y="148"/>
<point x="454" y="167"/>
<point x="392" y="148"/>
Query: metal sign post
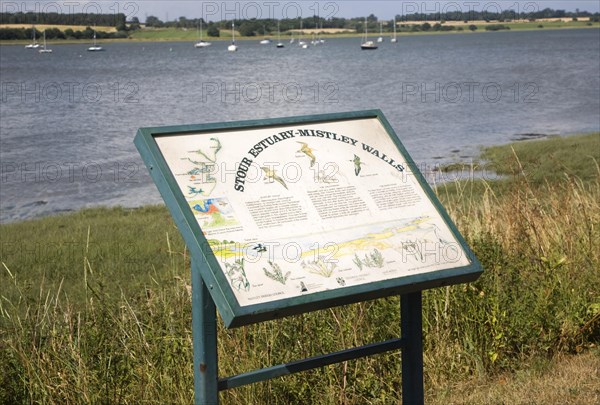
<point x="412" y="351"/>
<point x="204" y="335"/>
<point x="206" y="380"/>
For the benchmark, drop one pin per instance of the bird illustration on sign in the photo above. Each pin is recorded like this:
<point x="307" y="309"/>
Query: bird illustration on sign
<point x="357" y="165"/>
<point x="271" y="175"/>
<point x="308" y="152"/>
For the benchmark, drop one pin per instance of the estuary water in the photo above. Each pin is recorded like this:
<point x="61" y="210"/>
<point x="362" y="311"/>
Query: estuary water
<point x="68" y="119"/>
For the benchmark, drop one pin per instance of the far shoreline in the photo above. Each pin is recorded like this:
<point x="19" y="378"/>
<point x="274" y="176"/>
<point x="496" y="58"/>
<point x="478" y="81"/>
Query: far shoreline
<point x="286" y="38"/>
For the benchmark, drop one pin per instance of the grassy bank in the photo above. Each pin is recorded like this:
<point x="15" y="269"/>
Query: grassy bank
<point x="184" y="35"/>
<point x="95" y="306"/>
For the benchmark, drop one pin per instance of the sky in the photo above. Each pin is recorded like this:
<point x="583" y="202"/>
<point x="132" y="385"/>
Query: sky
<point x="222" y="10"/>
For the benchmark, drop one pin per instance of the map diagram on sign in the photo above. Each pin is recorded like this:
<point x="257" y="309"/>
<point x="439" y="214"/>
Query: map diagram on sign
<point x="213" y="212"/>
<point x="202" y="167"/>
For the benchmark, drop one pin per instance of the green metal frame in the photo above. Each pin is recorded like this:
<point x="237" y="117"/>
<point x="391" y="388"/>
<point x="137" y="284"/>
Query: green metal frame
<point x="218" y="286"/>
<point x="211" y="290"/>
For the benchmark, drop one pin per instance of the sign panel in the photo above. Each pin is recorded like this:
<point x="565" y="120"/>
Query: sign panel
<point x="304" y="213"/>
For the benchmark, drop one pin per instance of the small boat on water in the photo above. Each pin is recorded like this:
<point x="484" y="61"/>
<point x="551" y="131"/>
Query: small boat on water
<point x="44" y="48"/>
<point x="314" y="41"/>
<point x="279" y="43"/>
<point x="321" y="40"/>
<point x="394" y="38"/>
<point x="301" y="43"/>
<point x="380" y="39"/>
<point x="34" y="44"/>
<point x="233" y="47"/>
<point x="265" y="40"/>
<point x="366" y="44"/>
<point x="201" y="43"/>
<point x="95" y="47"/>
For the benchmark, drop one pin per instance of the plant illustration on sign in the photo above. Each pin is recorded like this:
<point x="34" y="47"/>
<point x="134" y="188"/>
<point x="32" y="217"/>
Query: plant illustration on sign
<point x="371" y="260"/>
<point x="276" y="274"/>
<point x="320" y="266"/>
<point x="237" y="275"/>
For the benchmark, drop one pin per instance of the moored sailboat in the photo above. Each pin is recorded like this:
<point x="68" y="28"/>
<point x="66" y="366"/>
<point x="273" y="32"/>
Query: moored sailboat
<point x="279" y="43"/>
<point x="233" y="47"/>
<point x="301" y="43"/>
<point x="95" y="47"/>
<point x="201" y="43"/>
<point x="366" y="44"/>
<point x="265" y="40"/>
<point x="34" y="44"/>
<point x="394" y="38"/>
<point x="44" y="48"/>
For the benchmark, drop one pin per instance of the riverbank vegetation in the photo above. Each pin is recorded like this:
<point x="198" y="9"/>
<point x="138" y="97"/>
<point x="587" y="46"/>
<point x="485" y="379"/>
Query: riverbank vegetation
<point x="95" y="305"/>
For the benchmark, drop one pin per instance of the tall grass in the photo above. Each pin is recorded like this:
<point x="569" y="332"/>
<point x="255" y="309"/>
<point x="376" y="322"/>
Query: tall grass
<point x="109" y="320"/>
<point x="540" y="293"/>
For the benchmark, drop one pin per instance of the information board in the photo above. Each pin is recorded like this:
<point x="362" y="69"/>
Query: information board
<point x="303" y="213"/>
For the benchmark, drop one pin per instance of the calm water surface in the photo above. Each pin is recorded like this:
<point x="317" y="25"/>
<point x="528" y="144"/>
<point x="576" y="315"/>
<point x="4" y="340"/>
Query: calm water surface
<point x="67" y="120"/>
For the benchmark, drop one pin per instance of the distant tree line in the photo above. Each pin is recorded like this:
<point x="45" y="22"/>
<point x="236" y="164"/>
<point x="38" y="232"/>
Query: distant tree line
<point x="488" y="15"/>
<point x="85" y="19"/>
<point x="55" y="33"/>
<point x="258" y="27"/>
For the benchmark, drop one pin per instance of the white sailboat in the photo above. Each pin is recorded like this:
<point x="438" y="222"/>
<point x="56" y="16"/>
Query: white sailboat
<point x="315" y="41"/>
<point x="279" y="43"/>
<point x="265" y="40"/>
<point x="380" y="39"/>
<point x="95" y="47"/>
<point x="301" y="43"/>
<point x="321" y="40"/>
<point x="395" y="38"/>
<point x="33" y="45"/>
<point x="44" y="48"/>
<point x="201" y="43"/>
<point x="366" y="44"/>
<point x="233" y="47"/>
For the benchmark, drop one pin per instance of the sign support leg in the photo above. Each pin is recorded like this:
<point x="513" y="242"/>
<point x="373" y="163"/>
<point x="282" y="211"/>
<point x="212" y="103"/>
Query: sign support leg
<point x="412" y="354"/>
<point x="204" y="332"/>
